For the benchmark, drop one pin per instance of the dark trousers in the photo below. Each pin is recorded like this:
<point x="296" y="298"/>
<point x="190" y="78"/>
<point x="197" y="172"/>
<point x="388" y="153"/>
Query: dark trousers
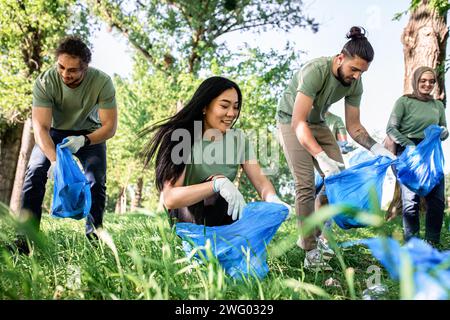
<point x="210" y="212"/>
<point x="93" y="160"/>
<point x="435" y="202"/>
<point x="434" y="216"/>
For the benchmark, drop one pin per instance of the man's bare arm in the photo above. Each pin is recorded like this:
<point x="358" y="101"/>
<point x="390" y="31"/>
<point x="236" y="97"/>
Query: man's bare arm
<point x="42" y="121"/>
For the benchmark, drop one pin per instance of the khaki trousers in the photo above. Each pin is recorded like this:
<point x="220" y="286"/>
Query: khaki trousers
<point x="301" y="164"/>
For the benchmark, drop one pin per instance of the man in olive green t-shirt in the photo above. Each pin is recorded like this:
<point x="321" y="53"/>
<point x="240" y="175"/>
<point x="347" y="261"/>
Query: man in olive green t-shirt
<point x="74" y="101"/>
<point x="307" y="141"/>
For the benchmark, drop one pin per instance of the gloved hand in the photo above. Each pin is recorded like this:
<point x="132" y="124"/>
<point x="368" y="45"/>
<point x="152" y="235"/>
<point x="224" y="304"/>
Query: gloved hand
<point x="328" y="165"/>
<point x="74" y="143"/>
<point x="274" y="199"/>
<point x="51" y="170"/>
<point x="378" y="150"/>
<point x="231" y="194"/>
<point x="444" y="133"/>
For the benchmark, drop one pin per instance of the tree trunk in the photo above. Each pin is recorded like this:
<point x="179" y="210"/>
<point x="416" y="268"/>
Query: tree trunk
<point x="137" y="199"/>
<point x="121" y="204"/>
<point x="424" y="44"/>
<point x="9" y="152"/>
<point x="24" y="155"/>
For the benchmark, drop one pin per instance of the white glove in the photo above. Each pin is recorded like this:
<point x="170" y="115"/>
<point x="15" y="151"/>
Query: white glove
<point x="274" y="199"/>
<point x="231" y="194"/>
<point x="74" y="143"/>
<point x="328" y="165"/>
<point x="51" y="170"/>
<point x="378" y="150"/>
<point x="444" y="133"/>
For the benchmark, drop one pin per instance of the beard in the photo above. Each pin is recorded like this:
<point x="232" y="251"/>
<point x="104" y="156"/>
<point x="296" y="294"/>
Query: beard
<point x="342" y="79"/>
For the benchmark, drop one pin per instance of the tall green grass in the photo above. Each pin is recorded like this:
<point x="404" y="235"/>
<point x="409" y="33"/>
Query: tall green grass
<point x="146" y="261"/>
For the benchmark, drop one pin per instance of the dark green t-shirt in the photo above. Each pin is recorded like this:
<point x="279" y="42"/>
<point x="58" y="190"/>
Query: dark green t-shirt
<point x="74" y="108"/>
<point x="222" y="156"/>
<point x="410" y="117"/>
<point x="316" y="80"/>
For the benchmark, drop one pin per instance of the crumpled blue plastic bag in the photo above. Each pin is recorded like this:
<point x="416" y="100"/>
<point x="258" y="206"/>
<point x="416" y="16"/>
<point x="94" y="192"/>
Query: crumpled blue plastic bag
<point x="422" y="168"/>
<point x="359" y="156"/>
<point x="352" y="187"/>
<point x="71" y="190"/>
<point x="431" y="267"/>
<point x="241" y="246"/>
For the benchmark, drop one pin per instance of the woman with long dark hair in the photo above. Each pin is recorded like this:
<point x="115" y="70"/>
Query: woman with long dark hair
<point x="411" y="115"/>
<point x="198" y="154"/>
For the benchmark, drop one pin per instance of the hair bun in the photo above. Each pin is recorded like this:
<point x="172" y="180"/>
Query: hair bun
<point x="356" y="33"/>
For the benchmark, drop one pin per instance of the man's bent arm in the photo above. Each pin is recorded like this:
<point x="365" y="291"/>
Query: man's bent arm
<point x="42" y="121"/>
<point x="108" y="118"/>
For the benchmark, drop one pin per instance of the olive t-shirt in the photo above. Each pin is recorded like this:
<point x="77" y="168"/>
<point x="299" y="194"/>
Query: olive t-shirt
<point x="222" y="156"/>
<point x="410" y="117"/>
<point x="316" y="80"/>
<point x="74" y="108"/>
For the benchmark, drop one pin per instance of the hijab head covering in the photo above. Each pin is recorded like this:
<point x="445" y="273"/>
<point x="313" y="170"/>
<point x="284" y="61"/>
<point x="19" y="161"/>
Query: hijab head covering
<point x="415" y="84"/>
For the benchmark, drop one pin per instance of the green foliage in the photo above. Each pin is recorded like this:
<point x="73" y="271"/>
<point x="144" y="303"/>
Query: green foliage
<point x="152" y="96"/>
<point x="441" y="6"/>
<point x="29" y="32"/>
<point x="144" y="100"/>
<point x="262" y="76"/>
<point x="177" y="35"/>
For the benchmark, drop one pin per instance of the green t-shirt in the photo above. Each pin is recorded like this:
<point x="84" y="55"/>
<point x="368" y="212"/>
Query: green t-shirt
<point x="77" y="108"/>
<point x="410" y="117"/>
<point x="316" y="80"/>
<point x="222" y="156"/>
<point x="335" y="124"/>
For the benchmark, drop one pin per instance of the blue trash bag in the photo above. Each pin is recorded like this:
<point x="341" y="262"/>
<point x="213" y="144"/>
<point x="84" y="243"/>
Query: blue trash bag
<point x="352" y="187"/>
<point x="71" y="191"/>
<point x="431" y="267"/>
<point x="241" y="246"/>
<point x="359" y="156"/>
<point x="422" y="168"/>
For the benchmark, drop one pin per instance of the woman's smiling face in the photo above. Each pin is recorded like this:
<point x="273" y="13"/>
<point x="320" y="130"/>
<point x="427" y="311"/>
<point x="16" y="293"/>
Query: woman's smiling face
<point x="426" y="83"/>
<point x="222" y="111"/>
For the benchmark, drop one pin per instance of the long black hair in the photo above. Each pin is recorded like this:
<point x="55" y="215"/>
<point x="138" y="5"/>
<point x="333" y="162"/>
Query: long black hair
<point x="161" y="144"/>
<point x="358" y="45"/>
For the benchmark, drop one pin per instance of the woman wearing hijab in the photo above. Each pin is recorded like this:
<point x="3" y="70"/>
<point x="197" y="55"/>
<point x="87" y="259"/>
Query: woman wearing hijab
<point x="411" y="115"/>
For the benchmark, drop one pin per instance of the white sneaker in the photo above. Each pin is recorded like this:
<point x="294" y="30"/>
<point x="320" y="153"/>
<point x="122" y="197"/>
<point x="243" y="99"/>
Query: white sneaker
<point x="327" y="252"/>
<point x="315" y="261"/>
